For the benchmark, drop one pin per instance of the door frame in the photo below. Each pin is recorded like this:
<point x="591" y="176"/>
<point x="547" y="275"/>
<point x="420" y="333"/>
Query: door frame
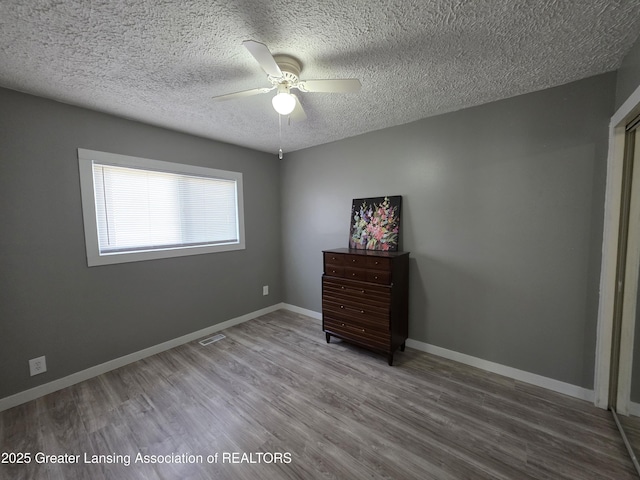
<point x="615" y="159"/>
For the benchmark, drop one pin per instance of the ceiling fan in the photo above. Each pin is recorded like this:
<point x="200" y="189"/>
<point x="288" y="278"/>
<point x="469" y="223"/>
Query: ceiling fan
<point x="283" y="72"/>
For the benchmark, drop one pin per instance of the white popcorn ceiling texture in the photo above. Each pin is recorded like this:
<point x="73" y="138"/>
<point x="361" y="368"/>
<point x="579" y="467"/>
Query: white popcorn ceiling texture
<point x="162" y="61"/>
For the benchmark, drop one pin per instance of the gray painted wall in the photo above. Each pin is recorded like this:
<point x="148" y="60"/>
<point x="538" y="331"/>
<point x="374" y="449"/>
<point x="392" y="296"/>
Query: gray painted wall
<point x="502" y="214"/>
<point x="628" y="74"/>
<point x="52" y="304"/>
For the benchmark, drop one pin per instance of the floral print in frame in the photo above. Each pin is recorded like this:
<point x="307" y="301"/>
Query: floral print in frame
<point x="375" y="223"/>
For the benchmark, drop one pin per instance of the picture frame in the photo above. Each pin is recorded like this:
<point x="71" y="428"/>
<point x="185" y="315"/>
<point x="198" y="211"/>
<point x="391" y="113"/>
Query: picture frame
<point x="375" y="223"/>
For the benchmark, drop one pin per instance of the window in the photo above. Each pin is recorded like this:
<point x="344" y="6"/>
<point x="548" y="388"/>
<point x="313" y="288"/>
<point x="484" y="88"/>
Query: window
<point x="139" y="209"/>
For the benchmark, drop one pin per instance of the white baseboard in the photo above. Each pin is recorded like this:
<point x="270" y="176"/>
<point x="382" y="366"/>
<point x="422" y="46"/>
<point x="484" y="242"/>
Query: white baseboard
<point x="302" y="311"/>
<point x="59" y="384"/>
<point x="527" y="377"/>
<point x="521" y="375"/>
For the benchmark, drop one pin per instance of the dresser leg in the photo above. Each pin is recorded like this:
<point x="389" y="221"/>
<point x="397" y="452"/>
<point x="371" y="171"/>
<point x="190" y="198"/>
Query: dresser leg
<point x="402" y="347"/>
<point x="328" y="337"/>
<point x="390" y="359"/>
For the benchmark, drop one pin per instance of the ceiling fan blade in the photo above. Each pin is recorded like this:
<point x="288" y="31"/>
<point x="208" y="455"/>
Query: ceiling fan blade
<point x="245" y="93"/>
<point x="344" y="85"/>
<point x="262" y="54"/>
<point x="298" y="114"/>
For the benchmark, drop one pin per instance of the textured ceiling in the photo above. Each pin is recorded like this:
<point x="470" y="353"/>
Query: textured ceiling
<point x="162" y="61"/>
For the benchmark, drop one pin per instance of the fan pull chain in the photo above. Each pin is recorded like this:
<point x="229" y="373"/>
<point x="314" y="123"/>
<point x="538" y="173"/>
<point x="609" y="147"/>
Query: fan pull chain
<point x="280" y="136"/>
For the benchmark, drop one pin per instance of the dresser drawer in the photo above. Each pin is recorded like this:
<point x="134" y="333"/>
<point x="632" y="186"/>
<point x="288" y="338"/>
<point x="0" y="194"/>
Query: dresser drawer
<point x="362" y="302"/>
<point x="364" y="261"/>
<point x="373" y="316"/>
<point x="365" y="275"/>
<point x="354" y="273"/>
<point x="371" y="338"/>
<point x="376" y="276"/>
<point x="355" y="289"/>
<point x="378" y="263"/>
<point x="355" y="261"/>
<point x="334" y="270"/>
<point x="333" y="258"/>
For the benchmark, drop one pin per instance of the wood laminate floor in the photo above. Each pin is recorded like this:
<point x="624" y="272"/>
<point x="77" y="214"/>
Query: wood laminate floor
<point x="631" y="426"/>
<point x="274" y="386"/>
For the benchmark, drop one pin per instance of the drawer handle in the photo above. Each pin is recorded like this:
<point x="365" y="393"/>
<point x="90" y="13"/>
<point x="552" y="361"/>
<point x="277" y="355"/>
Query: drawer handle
<point x="363" y="330"/>
<point x="341" y="306"/>
<point x="361" y="311"/>
<point x="354" y="260"/>
<point x="376" y="277"/>
<point x="342" y="324"/>
<point x="342" y="287"/>
<point x="377" y="262"/>
<point x="362" y="291"/>
<point x="353" y="274"/>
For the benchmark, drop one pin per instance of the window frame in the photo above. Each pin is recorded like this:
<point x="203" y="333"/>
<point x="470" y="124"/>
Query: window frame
<point x="86" y="159"/>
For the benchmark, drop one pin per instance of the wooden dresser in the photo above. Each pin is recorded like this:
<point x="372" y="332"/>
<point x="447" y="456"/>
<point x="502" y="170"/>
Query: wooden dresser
<point x="365" y="298"/>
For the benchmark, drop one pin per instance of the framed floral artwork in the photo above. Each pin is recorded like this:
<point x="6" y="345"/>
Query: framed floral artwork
<point x="375" y="223"/>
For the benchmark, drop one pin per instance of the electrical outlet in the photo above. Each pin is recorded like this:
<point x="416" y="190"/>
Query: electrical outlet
<point x="265" y="290"/>
<point x="37" y="365"/>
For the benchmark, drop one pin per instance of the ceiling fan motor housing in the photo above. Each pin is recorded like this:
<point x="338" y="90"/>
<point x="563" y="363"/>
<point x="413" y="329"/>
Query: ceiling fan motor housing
<point x="290" y="67"/>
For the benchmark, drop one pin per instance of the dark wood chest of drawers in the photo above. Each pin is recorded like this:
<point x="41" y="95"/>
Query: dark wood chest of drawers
<point x="365" y="298"/>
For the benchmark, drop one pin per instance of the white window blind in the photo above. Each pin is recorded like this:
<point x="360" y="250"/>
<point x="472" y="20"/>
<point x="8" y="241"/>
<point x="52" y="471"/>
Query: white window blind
<point x="140" y="207"/>
<point x="146" y="210"/>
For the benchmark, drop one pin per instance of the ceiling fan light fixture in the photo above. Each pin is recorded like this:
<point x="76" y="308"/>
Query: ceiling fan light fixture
<point x="283" y="73"/>
<point x="283" y="102"/>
